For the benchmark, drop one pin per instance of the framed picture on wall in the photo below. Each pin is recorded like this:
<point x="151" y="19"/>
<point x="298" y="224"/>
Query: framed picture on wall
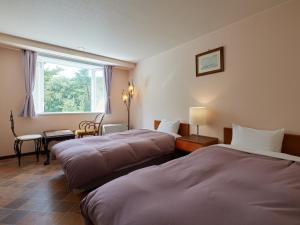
<point x="209" y="62"/>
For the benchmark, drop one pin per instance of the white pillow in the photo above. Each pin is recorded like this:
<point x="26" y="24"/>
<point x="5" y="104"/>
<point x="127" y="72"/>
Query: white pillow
<point x="259" y="140"/>
<point x="168" y="126"/>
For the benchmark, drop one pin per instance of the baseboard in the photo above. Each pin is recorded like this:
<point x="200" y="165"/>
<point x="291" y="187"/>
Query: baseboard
<point x="15" y="156"/>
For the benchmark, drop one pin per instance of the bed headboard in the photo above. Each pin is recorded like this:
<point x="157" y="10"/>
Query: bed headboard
<point x="290" y="145"/>
<point x="184" y="128"/>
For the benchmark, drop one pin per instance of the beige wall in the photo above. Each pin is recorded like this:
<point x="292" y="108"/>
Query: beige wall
<point x="12" y="97"/>
<point x="259" y="88"/>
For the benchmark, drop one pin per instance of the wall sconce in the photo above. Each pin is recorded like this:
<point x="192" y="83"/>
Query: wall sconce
<point x="127" y="95"/>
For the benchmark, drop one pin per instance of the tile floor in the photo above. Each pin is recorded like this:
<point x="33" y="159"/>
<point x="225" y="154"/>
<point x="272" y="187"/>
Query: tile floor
<point x="35" y="194"/>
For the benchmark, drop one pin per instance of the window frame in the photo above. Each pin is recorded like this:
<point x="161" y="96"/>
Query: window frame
<point x="39" y="89"/>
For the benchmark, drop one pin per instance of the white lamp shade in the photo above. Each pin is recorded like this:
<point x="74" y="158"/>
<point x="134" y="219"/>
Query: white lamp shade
<point x="198" y="115"/>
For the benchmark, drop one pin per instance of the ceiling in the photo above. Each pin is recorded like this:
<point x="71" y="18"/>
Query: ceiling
<point x="124" y="29"/>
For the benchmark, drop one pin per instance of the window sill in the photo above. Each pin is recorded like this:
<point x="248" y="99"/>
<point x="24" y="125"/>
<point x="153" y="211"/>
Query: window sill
<point x="65" y="113"/>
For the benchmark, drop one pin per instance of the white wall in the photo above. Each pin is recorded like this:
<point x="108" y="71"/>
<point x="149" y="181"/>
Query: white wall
<point x="12" y="92"/>
<point x="260" y="85"/>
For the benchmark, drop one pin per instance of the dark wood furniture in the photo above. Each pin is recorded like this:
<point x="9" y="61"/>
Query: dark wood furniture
<point x="290" y="145"/>
<point x="193" y="142"/>
<point x="19" y="140"/>
<point x="184" y="128"/>
<point x="55" y="135"/>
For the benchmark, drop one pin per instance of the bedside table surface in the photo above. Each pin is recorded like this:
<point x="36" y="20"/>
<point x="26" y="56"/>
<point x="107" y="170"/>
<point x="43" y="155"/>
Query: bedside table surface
<point x="203" y="140"/>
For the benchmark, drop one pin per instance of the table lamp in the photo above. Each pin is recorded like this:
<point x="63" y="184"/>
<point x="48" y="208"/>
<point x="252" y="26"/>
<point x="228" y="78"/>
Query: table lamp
<point x="198" y="116"/>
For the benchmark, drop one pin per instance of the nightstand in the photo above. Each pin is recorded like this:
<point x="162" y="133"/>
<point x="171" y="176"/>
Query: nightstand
<point x="194" y="142"/>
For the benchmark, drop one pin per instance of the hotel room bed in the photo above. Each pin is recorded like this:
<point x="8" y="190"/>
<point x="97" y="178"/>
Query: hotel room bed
<point x="218" y="185"/>
<point x="91" y="161"/>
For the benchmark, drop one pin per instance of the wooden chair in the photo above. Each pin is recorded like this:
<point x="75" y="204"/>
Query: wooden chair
<point x="90" y="127"/>
<point x="36" y="138"/>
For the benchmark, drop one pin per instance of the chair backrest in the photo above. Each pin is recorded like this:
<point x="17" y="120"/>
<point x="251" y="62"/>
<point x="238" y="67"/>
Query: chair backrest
<point x="98" y="121"/>
<point x="12" y="124"/>
<point x="99" y="118"/>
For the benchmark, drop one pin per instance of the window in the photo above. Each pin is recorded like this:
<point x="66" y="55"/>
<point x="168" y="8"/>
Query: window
<point x="67" y="86"/>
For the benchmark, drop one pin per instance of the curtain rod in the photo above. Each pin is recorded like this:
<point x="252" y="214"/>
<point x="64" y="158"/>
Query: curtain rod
<point x="70" y="59"/>
<point x="38" y="46"/>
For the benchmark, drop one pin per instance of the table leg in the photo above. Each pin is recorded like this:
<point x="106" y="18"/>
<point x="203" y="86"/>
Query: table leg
<point x="47" y="161"/>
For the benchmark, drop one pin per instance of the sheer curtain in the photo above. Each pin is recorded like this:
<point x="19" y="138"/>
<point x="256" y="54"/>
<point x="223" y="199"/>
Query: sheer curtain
<point x="29" y="63"/>
<point x="107" y="86"/>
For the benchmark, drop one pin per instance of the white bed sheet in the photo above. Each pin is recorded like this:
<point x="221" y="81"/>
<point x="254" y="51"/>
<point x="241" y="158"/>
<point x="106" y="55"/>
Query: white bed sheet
<point x="278" y="155"/>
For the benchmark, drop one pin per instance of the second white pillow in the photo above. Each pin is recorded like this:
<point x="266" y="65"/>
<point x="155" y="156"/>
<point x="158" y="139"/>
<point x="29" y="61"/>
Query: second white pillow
<point x="259" y="140"/>
<point x="169" y="126"/>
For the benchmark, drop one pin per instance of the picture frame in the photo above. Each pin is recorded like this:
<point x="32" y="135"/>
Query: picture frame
<point x="210" y="62"/>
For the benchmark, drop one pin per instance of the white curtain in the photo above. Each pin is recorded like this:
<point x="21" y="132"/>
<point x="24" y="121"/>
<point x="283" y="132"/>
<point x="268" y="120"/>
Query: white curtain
<point x="107" y="86"/>
<point x="29" y="63"/>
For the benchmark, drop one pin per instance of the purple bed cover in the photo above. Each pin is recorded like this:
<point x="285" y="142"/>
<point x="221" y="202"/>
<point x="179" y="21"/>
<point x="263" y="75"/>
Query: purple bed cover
<point x="86" y="160"/>
<point x="214" y="186"/>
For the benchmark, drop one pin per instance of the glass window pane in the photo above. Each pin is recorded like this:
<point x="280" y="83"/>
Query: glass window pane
<point x="99" y="91"/>
<point x="67" y="89"/>
<point x="68" y="86"/>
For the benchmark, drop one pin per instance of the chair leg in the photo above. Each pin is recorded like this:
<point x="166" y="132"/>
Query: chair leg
<point x="40" y="145"/>
<point x="18" y="149"/>
<point x="15" y="146"/>
<point x="36" y="146"/>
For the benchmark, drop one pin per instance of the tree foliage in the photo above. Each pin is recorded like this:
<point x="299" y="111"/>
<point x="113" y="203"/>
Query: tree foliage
<point x="67" y="93"/>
